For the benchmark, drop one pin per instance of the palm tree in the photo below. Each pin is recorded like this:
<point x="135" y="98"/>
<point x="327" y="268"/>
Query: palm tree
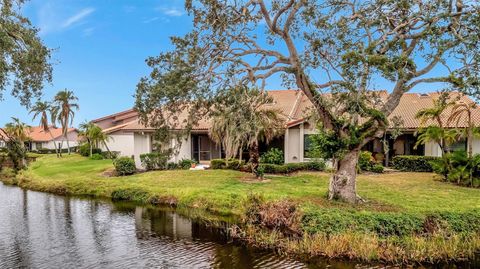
<point x="244" y="121"/>
<point x="458" y="112"/>
<point x="17" y="134"/>
<point x="63" y="112"/>
<point x="434" y="113"/>
<point x="42" y="109"/>
<point x="444" y="137"/>
<point x="94" y="135"/>
<point x="17" y="130"/>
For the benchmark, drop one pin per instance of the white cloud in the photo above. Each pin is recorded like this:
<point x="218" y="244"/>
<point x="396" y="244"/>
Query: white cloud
<point x="77" y="17"/>
<point x="151" y="20"/>
<point x="171" y="11"/>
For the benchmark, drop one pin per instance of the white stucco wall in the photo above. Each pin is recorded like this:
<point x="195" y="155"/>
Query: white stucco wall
<point x="433" y="149"/>
<point x="142" y="145"/>
<point x="476" y="145"/>
<point x="121" y="142"/>
<point x="184" y="150"/>
<point x="72" y="138"/>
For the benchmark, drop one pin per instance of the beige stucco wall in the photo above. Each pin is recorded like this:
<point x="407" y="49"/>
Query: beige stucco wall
<point x="121" y="142"/>
<point x="294" y="142"/>
<point x="183" y="148"/>
<point x="293" y="151"/>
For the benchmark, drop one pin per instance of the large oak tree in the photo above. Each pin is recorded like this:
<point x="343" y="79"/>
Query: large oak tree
<point x="334" y="51"/>
<point x="24" y="59"/>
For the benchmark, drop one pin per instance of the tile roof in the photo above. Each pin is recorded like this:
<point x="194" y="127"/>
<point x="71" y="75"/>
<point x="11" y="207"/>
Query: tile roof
<point x="129" y="113"/>
<point x="296" y="107"/>
<point x="37" y="134"/>
<point x="411" y="103"/>
<point x="3" y="135"/>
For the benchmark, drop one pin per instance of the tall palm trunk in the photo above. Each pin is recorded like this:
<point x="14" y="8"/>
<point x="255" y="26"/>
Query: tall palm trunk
<point x="470" y="142"/>
<point x="343" y="181"/>
<point x="54" y="143"/>
<point x="68" y="145"/>
<point x="254" y="158"/>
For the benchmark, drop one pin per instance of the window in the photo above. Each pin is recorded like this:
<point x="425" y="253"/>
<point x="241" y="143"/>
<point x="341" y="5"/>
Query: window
<point x="38" y="145"/>
<point x="307" y="145"/>
<point x="459" y="145"/>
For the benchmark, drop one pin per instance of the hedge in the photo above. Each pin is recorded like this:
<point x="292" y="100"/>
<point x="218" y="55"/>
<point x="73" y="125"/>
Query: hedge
<point x="233" y="164"/>
<point x="270" y="168"/>
<point x="412" y="163"/>
<point x="292" y="167"/>
<point x="335" y="221"/>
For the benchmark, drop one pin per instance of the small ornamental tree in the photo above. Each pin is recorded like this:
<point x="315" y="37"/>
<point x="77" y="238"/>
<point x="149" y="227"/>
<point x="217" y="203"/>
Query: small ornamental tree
<point x="344" y="48"/>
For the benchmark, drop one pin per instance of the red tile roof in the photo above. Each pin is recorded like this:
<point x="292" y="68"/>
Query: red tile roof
<point x="37" y="134"/>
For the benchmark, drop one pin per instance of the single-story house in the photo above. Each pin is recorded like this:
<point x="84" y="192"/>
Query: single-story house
<point x="130" y="137"/>
<point x="3" y="138"/>
<point x="39" y="139"/>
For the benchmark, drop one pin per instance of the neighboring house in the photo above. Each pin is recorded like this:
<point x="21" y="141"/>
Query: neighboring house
<point x="39" y="139"/>
<point x="3" y="138"/>
<point x="131" y="138"/>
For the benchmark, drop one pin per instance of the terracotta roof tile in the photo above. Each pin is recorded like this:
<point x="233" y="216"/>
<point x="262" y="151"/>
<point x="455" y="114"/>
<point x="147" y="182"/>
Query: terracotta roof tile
<point x="295" y="106"/>
<point x="37" y="133"/>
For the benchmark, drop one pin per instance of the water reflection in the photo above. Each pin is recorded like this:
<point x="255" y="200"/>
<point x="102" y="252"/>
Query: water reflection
<point x="39" y="230"/>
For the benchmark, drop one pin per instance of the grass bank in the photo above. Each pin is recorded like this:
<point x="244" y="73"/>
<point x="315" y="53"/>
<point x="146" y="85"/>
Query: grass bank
<point x="409" y="217"/>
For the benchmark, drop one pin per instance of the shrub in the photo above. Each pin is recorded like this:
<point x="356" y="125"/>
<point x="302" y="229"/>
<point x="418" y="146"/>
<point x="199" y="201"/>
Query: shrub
<point x="172" y="166"/>
<point x="7" y="172"/>
<point x="125" y="166"/>
<point x="316" y="165"/>
<point x="218" y="164"/>
<point x="186" y="163"/>
<point x="154" y="160"/>
<point x="273" y="156"/>
<point x="365" y="161"/>
<point x="110" y="154"/>
<point x="292" y="167"/>
<point x="96" y="157"/>
<point x="410" y="163"/>
<point x="234" y="164"/>
<point x="83" y="150"/>
<point x="377" y="168"/>
<point x="282" y="216"/>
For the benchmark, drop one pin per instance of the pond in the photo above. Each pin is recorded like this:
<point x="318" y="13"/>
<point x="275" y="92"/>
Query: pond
<point x="39" y="230"/>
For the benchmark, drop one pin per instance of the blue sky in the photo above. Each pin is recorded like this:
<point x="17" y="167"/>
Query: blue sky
<point x="100" y="49"/>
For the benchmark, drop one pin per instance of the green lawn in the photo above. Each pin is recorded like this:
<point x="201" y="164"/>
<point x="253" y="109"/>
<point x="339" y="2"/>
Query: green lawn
<point x="223" y="191"/>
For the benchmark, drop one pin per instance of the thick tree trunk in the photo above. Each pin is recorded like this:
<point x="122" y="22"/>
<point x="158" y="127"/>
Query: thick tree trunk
<point x="254" y="158"/>
<point x="343" y="183"/>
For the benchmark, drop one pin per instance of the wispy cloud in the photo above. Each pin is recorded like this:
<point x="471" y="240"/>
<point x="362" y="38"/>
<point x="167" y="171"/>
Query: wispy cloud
<point x="151" y="20"/>
<point x="77" y="17"/>
<point x="171" y="11"/>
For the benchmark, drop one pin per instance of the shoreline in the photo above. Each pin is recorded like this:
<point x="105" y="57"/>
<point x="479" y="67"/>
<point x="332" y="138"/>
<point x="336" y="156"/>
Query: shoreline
<point x="441" y="245"/>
